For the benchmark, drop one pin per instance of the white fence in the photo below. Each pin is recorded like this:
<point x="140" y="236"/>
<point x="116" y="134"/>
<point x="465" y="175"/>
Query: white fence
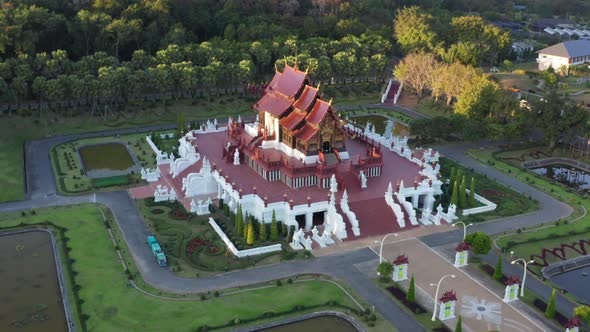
<point x="152" y="145"/>
<point x="488" y="205"/>
<point x="242" y="253"/>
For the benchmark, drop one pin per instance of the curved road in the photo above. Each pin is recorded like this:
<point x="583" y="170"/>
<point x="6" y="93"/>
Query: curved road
<point x="41" y="192"/>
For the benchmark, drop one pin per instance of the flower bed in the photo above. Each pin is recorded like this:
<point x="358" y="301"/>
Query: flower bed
<point x="157" y="211"/>
<point x="197" y="244"/>
<point x="178" y="213"/>
<point x="542" y="306"/>
<point x="560" y="252"/>
<point x="401" y="296"/>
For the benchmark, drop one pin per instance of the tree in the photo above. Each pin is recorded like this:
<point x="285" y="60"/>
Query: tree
<point x="385" y="269"/>
<point x="472" y="193"/>
<point x="459" y="325"/>
<point x="274" y="227"/>
<point x="463" y="194"/>
<point x="556" y="116"/>
<point x="498" y="274"/>
<point x="550" y="310"/>
<point x="123" y="31"/>
<point x="417" y="71"/>
<point x="239" y="220"/>
<point x="452" y="176"/>
<point x="480" y="243"/>
<point x="251" y="237"/>
<point x="583" y="312"/>
<point x="181" y="123"/>
<point x="454" y="195"/>
<point x="413" y="31"/>
<point x="263" y="231"/>
<point x="247" y="222"/>
<point x="476" y="99"/>
<point x="411" y="296"/>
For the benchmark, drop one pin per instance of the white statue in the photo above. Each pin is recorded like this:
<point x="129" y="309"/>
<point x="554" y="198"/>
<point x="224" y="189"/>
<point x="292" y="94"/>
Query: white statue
<point x="237" y="157"/>
<point x="451" y="212"/>
<point x="315" y="236"/>
<point x="363" y="180"/>
<point x="228" y="146"/>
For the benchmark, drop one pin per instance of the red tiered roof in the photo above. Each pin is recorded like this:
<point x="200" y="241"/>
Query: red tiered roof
<point x="273" y="84"/>
<point x="290" y="81"/>
<point x="292" y="120"/>
<point x="273" y="103"/>
<point x="318" y="112"/>
<point x="306" y="132"/>
<point x="306" y="99"/>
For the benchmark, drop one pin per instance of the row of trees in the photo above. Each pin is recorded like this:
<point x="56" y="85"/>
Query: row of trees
<point x="459" y="195"/>
<point x="254" y="231"/>
<point x="476" y="95"/>
<point x="119" y="27"/>
<point x="466" y="39"/>
<point x="185" y="69"/>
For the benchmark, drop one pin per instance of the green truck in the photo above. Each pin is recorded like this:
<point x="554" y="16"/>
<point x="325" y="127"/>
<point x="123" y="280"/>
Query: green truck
<point x="157" y="250"/>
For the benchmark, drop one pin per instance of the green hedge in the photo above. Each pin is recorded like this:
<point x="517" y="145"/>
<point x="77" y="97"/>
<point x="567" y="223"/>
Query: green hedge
<point x="119" y="180"/>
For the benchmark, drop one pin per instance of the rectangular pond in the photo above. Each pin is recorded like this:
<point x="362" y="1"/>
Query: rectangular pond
<point x="110" y="156"/>
<point x="30" y="297"/>
<point x="572" y="177"/>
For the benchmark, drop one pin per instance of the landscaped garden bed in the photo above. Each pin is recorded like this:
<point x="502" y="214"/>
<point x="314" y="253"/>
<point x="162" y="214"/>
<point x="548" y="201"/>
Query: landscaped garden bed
<point x="100" y="155"/>
<point x="509" y="201"/>
<point x="192" y="246"/>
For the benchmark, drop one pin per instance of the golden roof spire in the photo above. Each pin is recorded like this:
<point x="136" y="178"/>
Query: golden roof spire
<point x="330" y="102"/>
<point x="318" y="87"/>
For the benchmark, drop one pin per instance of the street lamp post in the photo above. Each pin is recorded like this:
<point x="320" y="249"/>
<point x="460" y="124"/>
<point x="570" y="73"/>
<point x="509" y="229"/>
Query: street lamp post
<point x="436" y="294"/>
<point x="525" y="263"/>
<point x="464" y="227"/>
<point x="381" y="249"/>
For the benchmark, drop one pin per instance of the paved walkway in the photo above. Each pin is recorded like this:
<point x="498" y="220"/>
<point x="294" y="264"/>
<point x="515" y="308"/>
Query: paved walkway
<point x="482" y="309"/>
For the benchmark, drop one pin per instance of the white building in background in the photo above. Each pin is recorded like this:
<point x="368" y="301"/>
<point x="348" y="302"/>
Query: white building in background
<point x="567" y="53"/>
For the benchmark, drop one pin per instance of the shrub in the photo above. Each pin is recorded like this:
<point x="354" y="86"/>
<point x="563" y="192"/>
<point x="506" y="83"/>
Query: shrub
<point x="550" y="311"/>
<point x="411" y="296"/>
<point x="498" y="270"/>
<point x="385" y="269"/>
<point x="279" y="283"/>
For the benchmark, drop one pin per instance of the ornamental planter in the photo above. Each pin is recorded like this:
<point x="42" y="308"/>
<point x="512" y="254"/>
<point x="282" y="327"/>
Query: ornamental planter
<point x="462" y="254"/>
<point x="447" y="306"/>
<point x="573" y="325"/>
<point x="400" y="268"/>
<point x="511" y="290"/>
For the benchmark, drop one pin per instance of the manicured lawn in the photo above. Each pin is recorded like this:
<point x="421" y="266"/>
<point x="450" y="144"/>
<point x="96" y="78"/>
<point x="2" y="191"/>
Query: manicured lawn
<point x="533" y="243"/>
<point x="105" y="156"/>
<point x="432" y="109"/>
<point x="110" y="305"/>
<point x="16" y="130"/>
<point x="509" y="201"/>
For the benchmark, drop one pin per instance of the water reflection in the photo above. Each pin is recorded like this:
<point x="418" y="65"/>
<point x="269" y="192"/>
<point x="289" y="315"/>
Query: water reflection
<point x="568" y="175"/>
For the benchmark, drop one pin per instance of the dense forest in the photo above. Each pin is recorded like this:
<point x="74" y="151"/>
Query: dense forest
<point x="111" y="49"/>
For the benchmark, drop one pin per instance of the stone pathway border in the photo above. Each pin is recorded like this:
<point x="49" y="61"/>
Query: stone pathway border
<point x="282" y="322"/>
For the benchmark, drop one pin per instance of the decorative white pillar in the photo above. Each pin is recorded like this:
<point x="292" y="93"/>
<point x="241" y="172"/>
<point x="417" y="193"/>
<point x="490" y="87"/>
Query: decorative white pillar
<point x="446" y="306"/>
<point x="308" y="221"/>
<point x="462" y="254"/>
<point x="415" y="200"/>
<point x="400" y="268"/>
<point x="511" y="290"/>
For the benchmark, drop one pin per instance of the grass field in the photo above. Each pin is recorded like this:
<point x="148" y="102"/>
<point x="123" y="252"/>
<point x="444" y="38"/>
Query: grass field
<point x="532" y="242"/>
<point x="109" y="304"/>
